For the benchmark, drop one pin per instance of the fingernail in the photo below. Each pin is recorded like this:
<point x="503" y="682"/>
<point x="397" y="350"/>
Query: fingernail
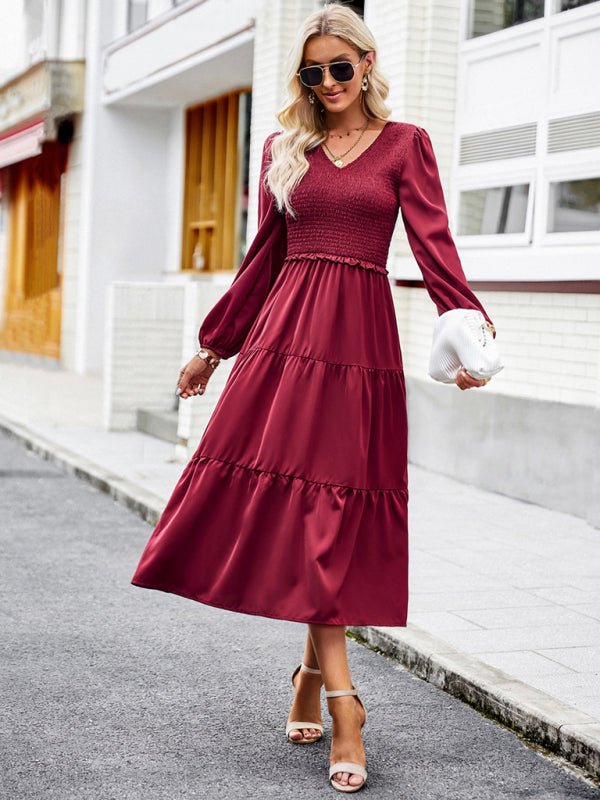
<point x="178" y="391"/>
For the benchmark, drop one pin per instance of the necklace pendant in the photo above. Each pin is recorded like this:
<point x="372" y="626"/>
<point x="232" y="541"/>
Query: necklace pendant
<point x="338" y="162"/>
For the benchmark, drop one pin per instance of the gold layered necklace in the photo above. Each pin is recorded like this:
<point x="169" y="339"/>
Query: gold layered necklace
<point x="339" y="160"/>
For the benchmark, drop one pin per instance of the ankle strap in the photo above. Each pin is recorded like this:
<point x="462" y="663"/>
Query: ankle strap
<point x="310" y="669"/>
<point x="341" y="692"/>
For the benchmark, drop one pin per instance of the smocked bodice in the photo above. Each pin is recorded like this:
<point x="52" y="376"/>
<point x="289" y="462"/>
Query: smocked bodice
<point x="351" y="211"/>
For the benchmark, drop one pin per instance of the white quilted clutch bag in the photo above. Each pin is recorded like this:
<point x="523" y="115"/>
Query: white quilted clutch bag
<point x="462" y="337"/>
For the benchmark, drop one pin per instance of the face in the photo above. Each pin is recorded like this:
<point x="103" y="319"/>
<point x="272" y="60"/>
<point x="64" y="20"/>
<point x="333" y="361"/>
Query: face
<point x="324" y="49"/>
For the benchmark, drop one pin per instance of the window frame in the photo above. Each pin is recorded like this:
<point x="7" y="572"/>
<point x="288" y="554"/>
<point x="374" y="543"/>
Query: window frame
<point x="579" y="168"/>
<point x="174" y="4"/>
<point x="551" y="8"/>
<point x="495" y="240"/>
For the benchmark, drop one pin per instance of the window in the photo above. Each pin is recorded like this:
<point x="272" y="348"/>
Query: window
<point x="142" y="11"/>
<point x="494" y="210"/>
<point x="566" y="5"/>
<point x="487" y="16"/>
<point x="158" y="7"/>
<point x="574" y="205"/>
<point x="138" y="14"/>
<point x="245" y="116"/>
<point x="355" y="5"/>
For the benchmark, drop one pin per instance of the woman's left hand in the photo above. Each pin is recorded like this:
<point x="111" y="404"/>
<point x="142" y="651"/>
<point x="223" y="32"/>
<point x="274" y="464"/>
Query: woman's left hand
<point x="466" y="381"/>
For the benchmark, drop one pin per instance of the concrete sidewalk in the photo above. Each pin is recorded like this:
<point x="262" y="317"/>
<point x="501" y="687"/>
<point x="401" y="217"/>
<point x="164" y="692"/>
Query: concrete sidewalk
<point x="504" y="605"/>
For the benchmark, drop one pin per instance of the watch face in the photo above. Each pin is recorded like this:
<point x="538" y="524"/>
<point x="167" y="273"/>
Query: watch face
<point x="210" y="359"/>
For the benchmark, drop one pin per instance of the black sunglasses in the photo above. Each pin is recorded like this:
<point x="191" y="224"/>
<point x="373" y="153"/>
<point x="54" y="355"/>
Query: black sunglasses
<point x="340" y="71"/>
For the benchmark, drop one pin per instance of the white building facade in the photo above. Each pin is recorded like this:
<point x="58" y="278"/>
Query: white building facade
<point x="512" y="104"/>
<point x="179" y="97"/>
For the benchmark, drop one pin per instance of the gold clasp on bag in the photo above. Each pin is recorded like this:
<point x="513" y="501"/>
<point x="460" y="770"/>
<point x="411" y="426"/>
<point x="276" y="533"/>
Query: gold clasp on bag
<point x="485" y="324"/>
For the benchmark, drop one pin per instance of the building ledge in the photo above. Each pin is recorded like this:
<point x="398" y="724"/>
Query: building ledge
<point x="46" y="91"/>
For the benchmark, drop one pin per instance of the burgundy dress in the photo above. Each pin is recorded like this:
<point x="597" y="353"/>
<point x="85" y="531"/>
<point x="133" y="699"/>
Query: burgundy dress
<point x="294" y="505"/>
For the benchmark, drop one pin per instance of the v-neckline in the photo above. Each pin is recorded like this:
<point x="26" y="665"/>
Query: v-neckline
<point x="358" y="158"/>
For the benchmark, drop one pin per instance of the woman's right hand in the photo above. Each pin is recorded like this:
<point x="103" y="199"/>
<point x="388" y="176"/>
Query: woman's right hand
<point x="194" y="376"/>
<point x="465" y="380"/>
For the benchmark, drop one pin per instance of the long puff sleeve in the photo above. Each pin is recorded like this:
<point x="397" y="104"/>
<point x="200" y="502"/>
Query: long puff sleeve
<point x="228" y="323"/>
<point x="425" y="217"/>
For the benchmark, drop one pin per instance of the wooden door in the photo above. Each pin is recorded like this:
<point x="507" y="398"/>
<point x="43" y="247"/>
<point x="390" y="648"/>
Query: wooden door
<point x="211" y="226"/>
<point x="32" y="312"/>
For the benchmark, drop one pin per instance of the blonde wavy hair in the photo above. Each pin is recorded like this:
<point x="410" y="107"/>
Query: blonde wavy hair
<point x="303" y="122"/>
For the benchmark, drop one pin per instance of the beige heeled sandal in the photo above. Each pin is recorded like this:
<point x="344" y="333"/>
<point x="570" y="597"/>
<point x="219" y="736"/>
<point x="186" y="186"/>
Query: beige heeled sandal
<point x="347" y="766"/>
<point x="295" y="725"/>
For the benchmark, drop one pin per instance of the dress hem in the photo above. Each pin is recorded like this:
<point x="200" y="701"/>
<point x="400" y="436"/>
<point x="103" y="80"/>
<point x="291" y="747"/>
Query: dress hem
<point x="255" y="613"/>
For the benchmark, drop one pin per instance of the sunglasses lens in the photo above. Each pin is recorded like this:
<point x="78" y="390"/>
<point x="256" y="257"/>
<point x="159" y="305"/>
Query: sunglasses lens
<point x="311" y="76"/>
<point x="342" y="71"/>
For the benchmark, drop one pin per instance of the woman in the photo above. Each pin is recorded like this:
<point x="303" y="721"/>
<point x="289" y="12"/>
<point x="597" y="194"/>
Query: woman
<point x="294" y="505"/>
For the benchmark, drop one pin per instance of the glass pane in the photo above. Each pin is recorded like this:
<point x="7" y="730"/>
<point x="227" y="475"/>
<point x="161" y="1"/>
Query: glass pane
<point x="355" y="5"/>
<point x="35" y="22"/>
<point x="358" y="6"/>
<point x="245" y="122"/>
<point x="574" y="205"/>
<point x="499" y="209"/>
<point x="565" y="5"/>
<point x="158" y="7"/>
<point x="137" y="14"/>
<point x="488" y="16"/>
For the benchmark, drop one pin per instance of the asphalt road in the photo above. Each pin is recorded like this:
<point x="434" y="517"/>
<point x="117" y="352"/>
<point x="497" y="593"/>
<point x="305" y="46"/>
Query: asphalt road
<point x="113" y="691"/>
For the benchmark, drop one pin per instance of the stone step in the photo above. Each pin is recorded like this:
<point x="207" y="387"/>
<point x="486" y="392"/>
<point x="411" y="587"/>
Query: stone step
<point x="160" y="424"/>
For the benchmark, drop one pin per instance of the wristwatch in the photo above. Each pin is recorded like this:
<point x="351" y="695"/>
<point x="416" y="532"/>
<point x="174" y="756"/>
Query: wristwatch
<point x="210" y="360"/>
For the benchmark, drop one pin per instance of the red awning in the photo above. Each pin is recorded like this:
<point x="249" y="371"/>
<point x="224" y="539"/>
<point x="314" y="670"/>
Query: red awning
<point x="22" y="144"/>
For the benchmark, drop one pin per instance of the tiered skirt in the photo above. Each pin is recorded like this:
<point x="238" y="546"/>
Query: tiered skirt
<point x="294" y="505"/>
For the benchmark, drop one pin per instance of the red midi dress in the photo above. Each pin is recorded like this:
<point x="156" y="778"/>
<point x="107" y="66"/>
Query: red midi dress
<point x="294" y="505"/>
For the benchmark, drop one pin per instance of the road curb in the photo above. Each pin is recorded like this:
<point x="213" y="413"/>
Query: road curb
<point x="145" y="504"/>
<point x="539" y="717"/>
<point x="536" y="715"/>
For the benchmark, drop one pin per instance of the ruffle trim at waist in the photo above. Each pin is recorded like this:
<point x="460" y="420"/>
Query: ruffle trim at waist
<point x="350" y="260"/>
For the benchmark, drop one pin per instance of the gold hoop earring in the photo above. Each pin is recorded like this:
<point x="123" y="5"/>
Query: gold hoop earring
<point x="365" y="83"/>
